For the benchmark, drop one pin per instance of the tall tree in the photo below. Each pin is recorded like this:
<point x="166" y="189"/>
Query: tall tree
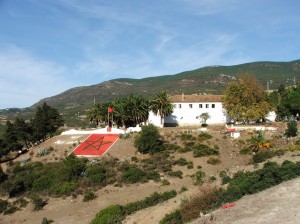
<point x="46" y="121"/>
<point x="23" y="130"/>
<point x="245" y="99"/>
<point x="162" y="105"/>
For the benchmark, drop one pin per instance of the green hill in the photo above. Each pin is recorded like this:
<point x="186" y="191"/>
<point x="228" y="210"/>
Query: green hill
<point x="211" y="79"/>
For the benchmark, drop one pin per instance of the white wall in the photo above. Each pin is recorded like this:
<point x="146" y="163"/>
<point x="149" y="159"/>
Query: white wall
<point x="189" y="114"/>
<point x="154" y="119"/>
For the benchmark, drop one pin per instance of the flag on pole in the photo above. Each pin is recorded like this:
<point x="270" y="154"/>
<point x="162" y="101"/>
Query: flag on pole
<point x="110" y="110"/>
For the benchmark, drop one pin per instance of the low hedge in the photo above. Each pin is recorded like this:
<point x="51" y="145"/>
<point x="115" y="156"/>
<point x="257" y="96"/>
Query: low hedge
<point x="117" y="213"/>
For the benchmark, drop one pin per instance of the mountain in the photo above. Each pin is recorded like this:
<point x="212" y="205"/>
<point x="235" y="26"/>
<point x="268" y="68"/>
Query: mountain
<point x="211" y="79"/>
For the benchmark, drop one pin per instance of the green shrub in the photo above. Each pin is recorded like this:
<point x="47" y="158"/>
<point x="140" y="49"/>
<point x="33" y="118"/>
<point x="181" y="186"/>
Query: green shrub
<point x="177" y="173"/>
<point x="134" y="175"/>
<point x="245" y="151"/>
<point x="116" y="213"/>
<point x="172" y="218"/>
<point x="149" y="140"/>
<point x="190" y="165"/>
<point x="204" y="136"/>
<point x="252" y="182"/>
<point x="10" y="210"/>
<point x="292" y="129"/>
<point x="183" y="189"/>
<point x="97" y="175"/>
<point x="199" y="177"/>
<point x="38" y="202"/>
<point x="89" y="196"/>
<point x="181" y="162"/>
<point x="112" y="214"/>
<point x="152" y="200"/>
<point x="187" y="137"/>
<point x="46" y="221"/>
<point x="3" y="205"/>
<point x="66" y="188"/>
<point x="201" y="150"/>
<point x="165" y="182"/>
<point x="153" y="175"/>
<point x="172" y="147"/>
<point x="262" y="156"/>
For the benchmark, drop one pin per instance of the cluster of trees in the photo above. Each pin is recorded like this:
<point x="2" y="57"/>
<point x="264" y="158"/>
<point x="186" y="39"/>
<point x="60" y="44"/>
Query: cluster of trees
<point x="286" y="101"/>
<point x="246" y="100"/>
<point x="131" y="110"/>
<point x="19" y="134"/>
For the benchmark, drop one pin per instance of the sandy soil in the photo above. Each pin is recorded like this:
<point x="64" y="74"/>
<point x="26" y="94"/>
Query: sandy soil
<point x="74" y="210"/>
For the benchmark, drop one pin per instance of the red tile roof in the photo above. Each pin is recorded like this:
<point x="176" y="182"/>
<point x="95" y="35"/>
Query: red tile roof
<point x="196" y="98"/>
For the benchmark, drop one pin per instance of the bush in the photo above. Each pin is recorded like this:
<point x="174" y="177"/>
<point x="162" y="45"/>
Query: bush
<point x="66" y="188"/>
<point x="262" y="156"/>
<point x="201" y="150"/>
<point x="245" y="151"/>
<point x="134" y="175"/>
<point x="292" y="129"/>
<point x="252" y="182"/>
<point x="10" y="210"/>
<point x="152" y="200"/>
<point x="213" y="160"/>
<point x="88" y="196"/>
<point x="204" y="203"/>
<point x="149" y="140"/>
<point x="3" y="205"/>
<point x="46" y="221"/>
<point x="199" y="177"/>
<point x="116" y="213"/>
<point x="172" y="218"/>
<point x="204" y="136"/>
<point x="177" y="173"/>
<point x="187" y="137"/>
<point x="111" y="214"/>
<point x="38" y="202"/>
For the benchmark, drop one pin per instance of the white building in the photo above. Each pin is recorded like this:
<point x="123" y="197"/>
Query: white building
<point x="188" y="108"/>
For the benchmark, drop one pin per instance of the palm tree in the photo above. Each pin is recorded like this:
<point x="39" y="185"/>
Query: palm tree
<point x="137" y="108"/>
<point x="98" y="113"/>
<point x="120" y="113"/>
<point x="162" y="105"/>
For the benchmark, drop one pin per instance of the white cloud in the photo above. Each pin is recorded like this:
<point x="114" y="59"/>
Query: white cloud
<point x="24" y="79"/>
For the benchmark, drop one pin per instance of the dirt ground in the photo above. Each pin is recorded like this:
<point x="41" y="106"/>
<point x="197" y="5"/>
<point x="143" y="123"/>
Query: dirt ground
<point x="276" y="205"/>
<point x="258" y="208"/>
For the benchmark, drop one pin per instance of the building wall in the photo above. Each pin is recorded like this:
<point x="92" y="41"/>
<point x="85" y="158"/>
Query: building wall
<point x="187" y="114"/>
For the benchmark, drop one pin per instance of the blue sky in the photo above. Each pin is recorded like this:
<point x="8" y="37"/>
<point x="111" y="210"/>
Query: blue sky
<point x="49" y="46"/>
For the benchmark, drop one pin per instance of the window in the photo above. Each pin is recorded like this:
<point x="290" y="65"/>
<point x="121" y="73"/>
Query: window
<point x="213" y="106"/>
<point x="200" y="105"/>
<point x="207" y="105"/>
<point x="191" y="105"/>
<point x="179" y="105"/>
